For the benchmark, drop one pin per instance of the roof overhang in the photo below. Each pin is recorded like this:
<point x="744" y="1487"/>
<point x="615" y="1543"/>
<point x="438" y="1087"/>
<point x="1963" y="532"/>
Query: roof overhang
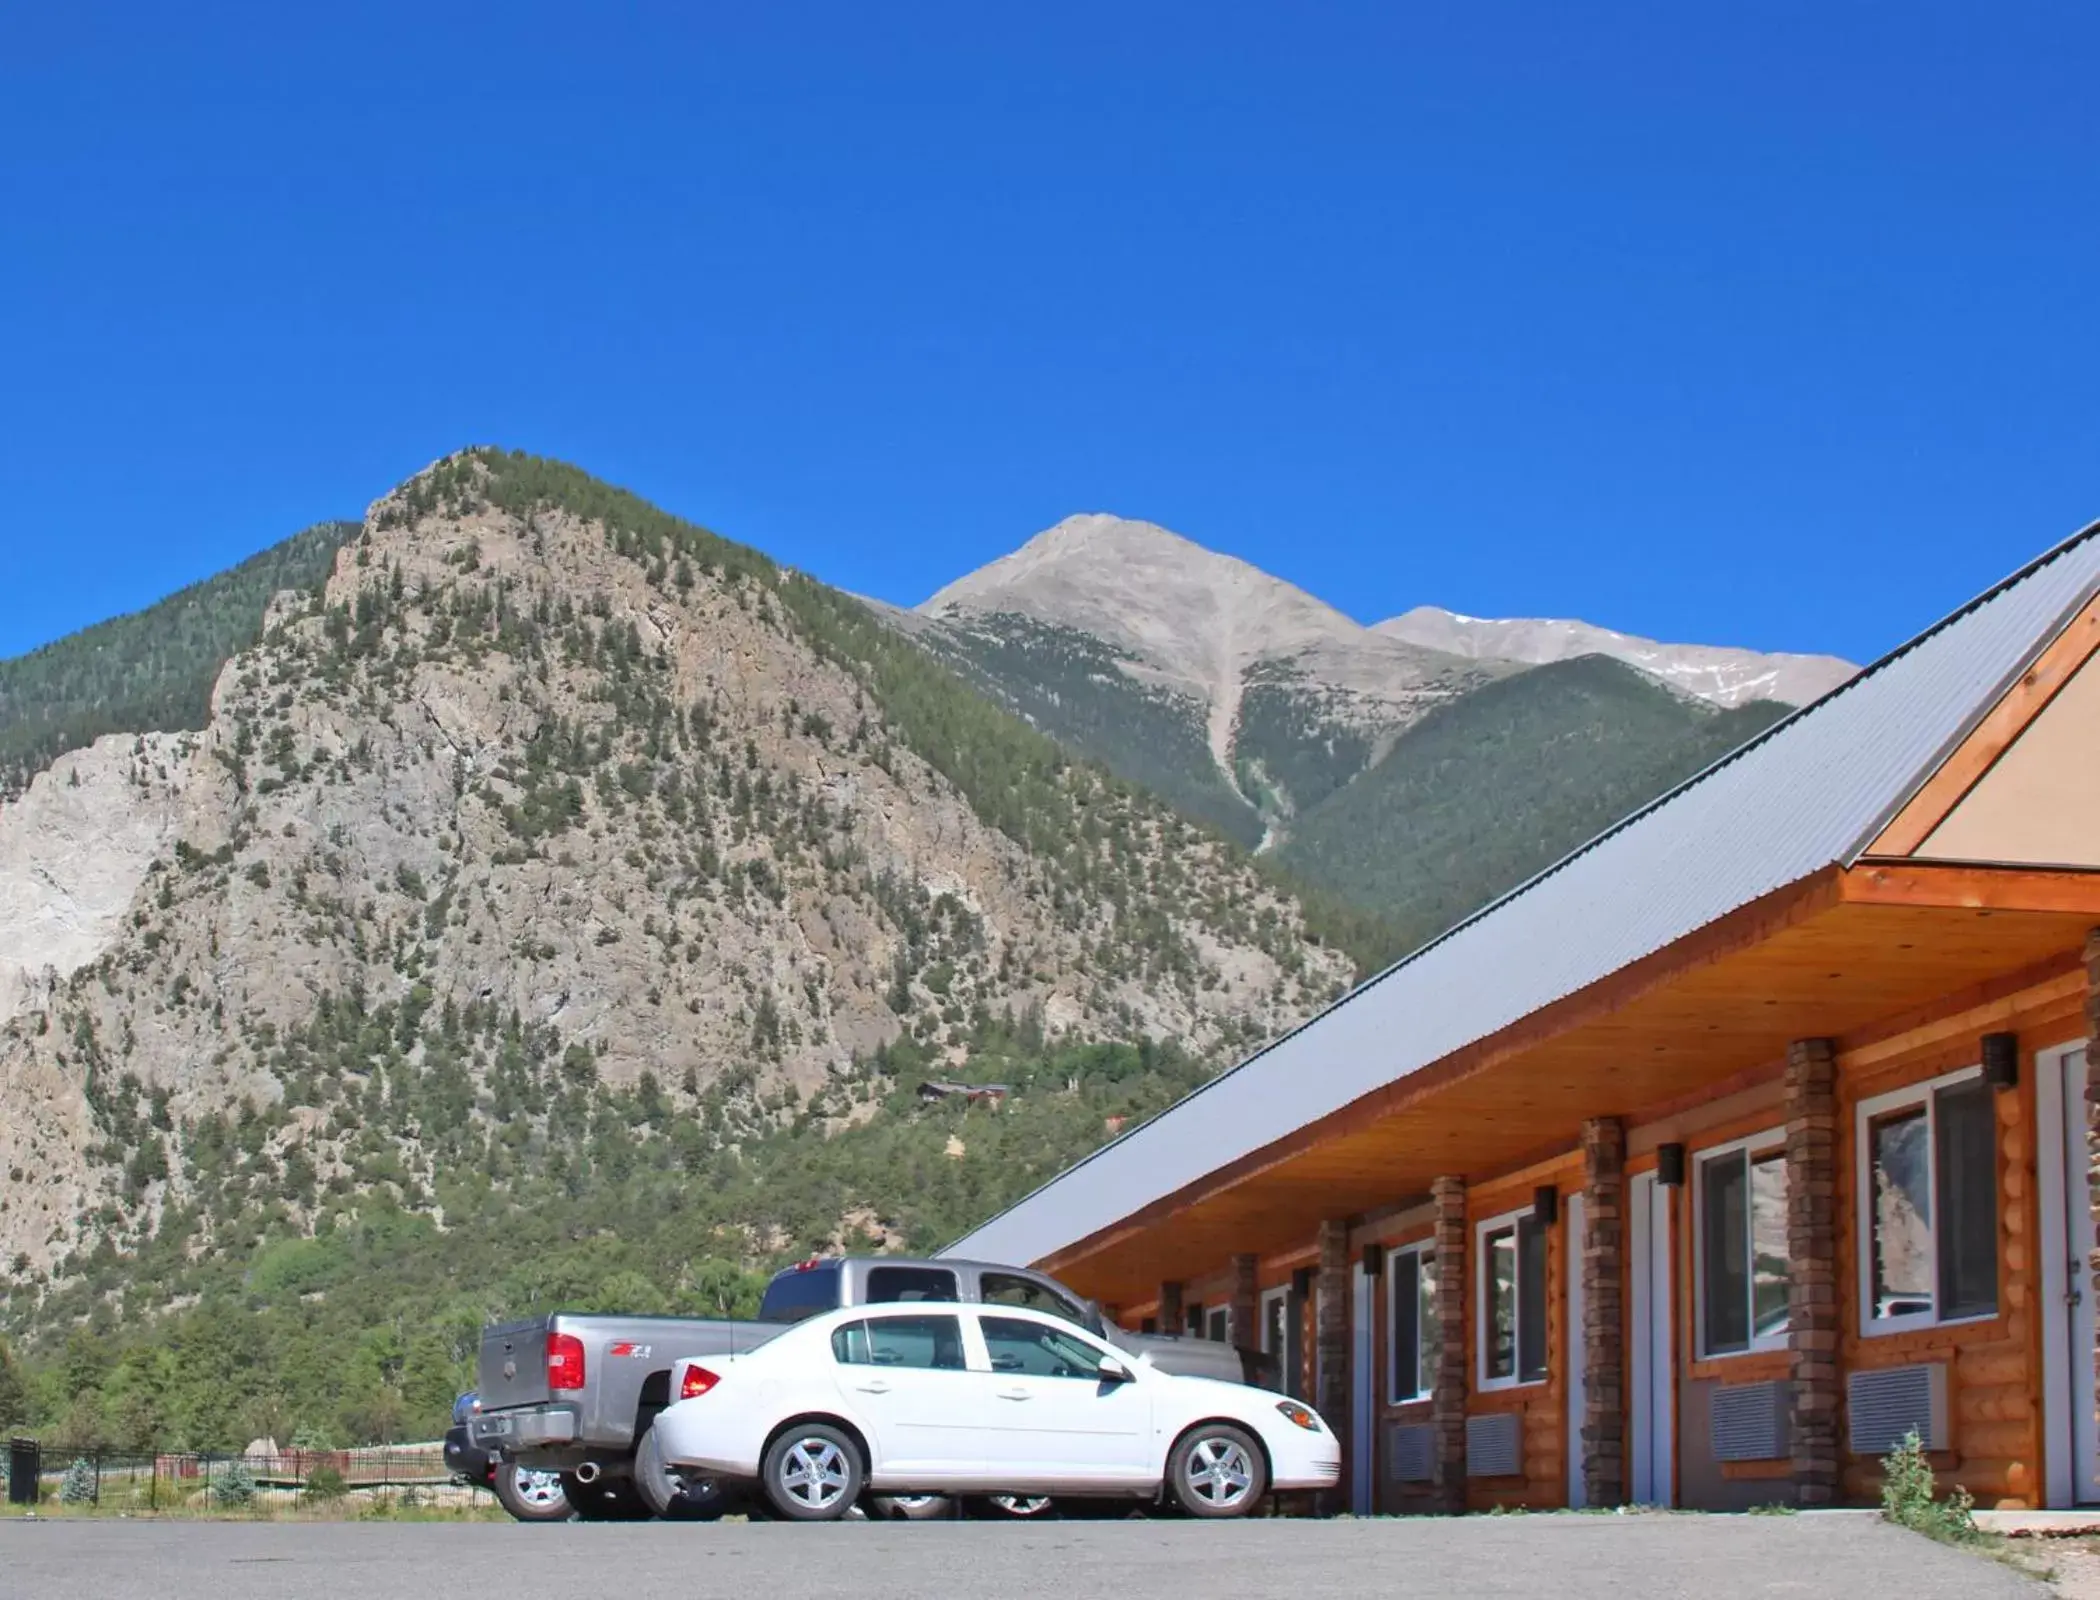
<point x="1829" y="956"/>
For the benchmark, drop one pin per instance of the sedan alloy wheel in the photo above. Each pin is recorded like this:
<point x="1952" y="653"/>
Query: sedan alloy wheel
<point x="812" y="1473"/>
<point x="1218" y="1472"/>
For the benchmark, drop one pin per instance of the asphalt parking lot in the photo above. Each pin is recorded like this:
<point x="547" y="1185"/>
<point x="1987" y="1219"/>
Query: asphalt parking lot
<point x="1610" y="1558"/>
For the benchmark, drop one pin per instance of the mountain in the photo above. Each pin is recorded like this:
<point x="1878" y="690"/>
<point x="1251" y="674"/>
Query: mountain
<point x="561" y="904"/>
<point x="1409" y="772"/>
<point x="152" y="669"/>
<point x="1485" y="792"/>
<point x="1721" y="676"/>
<point x="1236" y="695"/>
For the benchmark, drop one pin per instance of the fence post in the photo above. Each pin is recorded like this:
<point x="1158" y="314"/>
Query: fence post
<point x="95" y="1495"/>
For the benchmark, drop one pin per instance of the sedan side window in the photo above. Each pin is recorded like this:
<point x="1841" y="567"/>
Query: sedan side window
<point x="1005" y="1289"/>
<point x="1034" y="1351"/>
<point x="925" y="1342"/>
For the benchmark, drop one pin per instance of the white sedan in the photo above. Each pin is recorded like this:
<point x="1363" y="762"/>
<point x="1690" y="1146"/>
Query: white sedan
<point x="967" y="1399"/>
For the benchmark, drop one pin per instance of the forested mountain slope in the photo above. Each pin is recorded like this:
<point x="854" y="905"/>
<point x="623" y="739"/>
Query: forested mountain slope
<point x="1497" y="786"/>
<point x="564" y="888"/>
<point x="151" y="670"/>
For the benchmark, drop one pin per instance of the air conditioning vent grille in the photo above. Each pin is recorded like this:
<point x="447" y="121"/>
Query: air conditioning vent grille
<point x="1749" y="1421"/>
<point x="1411" y="1451"/>
<point x="1495" y="1446"/>
<point x="1882" y="1407"/>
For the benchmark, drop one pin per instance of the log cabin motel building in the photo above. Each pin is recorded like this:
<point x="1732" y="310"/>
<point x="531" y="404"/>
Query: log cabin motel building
<point x="1705" y="1166"/>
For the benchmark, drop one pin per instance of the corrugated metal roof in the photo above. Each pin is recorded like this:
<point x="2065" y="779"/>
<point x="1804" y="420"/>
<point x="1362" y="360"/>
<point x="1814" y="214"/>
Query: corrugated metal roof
<point x="1812" y="791"/>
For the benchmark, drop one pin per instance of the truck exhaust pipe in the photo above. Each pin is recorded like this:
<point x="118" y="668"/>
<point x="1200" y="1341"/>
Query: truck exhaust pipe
<point x="587" y="1473"/>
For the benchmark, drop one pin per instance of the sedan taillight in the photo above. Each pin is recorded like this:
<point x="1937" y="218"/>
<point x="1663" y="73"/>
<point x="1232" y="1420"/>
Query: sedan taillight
<point x="696" y="1382"/>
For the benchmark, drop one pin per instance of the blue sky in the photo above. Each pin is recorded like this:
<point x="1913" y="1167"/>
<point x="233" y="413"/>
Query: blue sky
<point x="1770" y="324"/>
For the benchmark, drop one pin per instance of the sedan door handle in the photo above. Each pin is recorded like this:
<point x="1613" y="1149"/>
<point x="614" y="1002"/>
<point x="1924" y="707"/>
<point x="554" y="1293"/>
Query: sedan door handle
<point x="1016" y="1394"/>
<point x="876" y="1387"/>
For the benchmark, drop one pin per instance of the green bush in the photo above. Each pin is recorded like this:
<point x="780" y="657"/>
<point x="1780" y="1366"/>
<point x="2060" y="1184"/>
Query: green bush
<point x="1909" y="1497"/>
<point x="325" y="1483"/>
<point x="233" y="1485"/>
<point x="78" y="1486"/>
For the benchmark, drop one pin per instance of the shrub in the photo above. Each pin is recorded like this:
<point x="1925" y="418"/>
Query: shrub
<point x="234" y="1485"/>
<point x="1908" y="1497"/>
<point x="78" y="1486"/>
<point x="325" y="1483"/>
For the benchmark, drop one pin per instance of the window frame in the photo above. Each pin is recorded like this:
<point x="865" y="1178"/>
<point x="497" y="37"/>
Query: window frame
<point x="1750" y="1147"/>
<point x="1483" y="1323"/>
<point x="1924" y="1094"/>
<point x="1278" y="1296"/>
<point x="1424" y="1253"/>
<point x="1217" y="1324"/>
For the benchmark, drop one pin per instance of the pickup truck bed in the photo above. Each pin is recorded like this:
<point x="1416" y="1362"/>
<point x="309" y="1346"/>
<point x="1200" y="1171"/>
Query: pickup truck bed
<point x="624" y="1367"/>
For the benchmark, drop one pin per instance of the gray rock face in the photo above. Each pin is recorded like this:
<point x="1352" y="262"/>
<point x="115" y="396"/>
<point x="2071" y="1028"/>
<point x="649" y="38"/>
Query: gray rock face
<point x="503" y="763"/>
<point x="74" y="850"/>
<point x="1722" y="676"/>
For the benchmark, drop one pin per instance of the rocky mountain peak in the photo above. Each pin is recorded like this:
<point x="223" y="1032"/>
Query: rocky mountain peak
<point x="1716" y="674"/>
<point x="1200" y="626"/>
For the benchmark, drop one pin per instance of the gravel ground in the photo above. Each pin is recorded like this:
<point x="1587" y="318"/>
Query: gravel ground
<point x="1569" y="1557"/>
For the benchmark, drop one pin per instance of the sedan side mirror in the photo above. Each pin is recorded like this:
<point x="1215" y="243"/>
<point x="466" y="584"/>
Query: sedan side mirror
<point x="1113" y="1371"/>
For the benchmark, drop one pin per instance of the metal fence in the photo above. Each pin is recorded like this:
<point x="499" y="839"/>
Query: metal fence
<point x="64" y="1475"/>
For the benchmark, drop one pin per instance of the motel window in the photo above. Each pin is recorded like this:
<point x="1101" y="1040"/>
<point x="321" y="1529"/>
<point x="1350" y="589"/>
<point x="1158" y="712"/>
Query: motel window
<point x="1410" y="1276"/>
<point x="1743" y="1269"/>
<point x="1928" y="1170"/>
<point x="1512" y="1301"/>
<point x="1275" y="1322"/>
<point x="1218" y="1324"/>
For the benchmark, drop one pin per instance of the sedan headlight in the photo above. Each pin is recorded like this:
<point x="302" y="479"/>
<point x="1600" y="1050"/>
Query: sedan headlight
<point x="1302" y="1416"/>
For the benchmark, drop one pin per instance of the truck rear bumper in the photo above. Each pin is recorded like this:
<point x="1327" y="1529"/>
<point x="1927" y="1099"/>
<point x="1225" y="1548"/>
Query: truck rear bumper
<point x="523" y="1428"/>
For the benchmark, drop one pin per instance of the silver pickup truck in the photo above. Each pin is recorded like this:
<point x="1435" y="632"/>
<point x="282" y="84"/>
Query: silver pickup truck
<point x="576" y="1393"/>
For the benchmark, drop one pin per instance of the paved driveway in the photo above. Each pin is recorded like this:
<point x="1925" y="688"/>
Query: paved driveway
<point x="1610" y="1558"/>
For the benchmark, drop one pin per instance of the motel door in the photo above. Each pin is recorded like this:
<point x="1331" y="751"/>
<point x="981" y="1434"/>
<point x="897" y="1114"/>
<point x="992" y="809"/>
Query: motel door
<point x="2073" y="1455"/>
<point x="1651" y="1420"/>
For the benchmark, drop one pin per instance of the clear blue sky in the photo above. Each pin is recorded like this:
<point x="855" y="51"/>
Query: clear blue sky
<point x="1774" y="323"/>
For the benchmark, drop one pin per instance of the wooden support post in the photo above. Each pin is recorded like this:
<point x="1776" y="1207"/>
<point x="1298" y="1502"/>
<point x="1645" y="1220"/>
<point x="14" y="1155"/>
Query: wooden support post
<point x="1331" y="1339"/>
<point x="1812" y="1281"/>
<point x="1246" y="1301"/>
<point x="1447" y="1402"/>
<point x="1170" y="1318"/>
<point x="1603" y="1267"/>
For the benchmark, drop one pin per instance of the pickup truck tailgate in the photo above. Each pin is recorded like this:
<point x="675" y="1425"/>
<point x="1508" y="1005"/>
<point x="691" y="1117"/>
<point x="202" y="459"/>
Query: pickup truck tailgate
<point x="513" y="1366"/>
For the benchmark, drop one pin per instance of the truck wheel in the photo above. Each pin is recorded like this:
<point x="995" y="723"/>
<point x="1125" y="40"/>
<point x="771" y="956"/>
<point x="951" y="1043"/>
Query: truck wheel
<point x="812" y="1473"/>
<point x="531" y="1494"/>
<point x="1216" y="1470"/>
<point x="677" y="1494"/>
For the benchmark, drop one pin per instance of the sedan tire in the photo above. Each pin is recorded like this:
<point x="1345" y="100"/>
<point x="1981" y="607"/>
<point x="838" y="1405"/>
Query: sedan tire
<point x="531" y="1494"/>
<point x="1017" y="1507"/>
<point x="912" y="1507"/>
<point x="812" y="1473"/>
<point x="677" y="1494"/>
<point x="1217" y="1470"/>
